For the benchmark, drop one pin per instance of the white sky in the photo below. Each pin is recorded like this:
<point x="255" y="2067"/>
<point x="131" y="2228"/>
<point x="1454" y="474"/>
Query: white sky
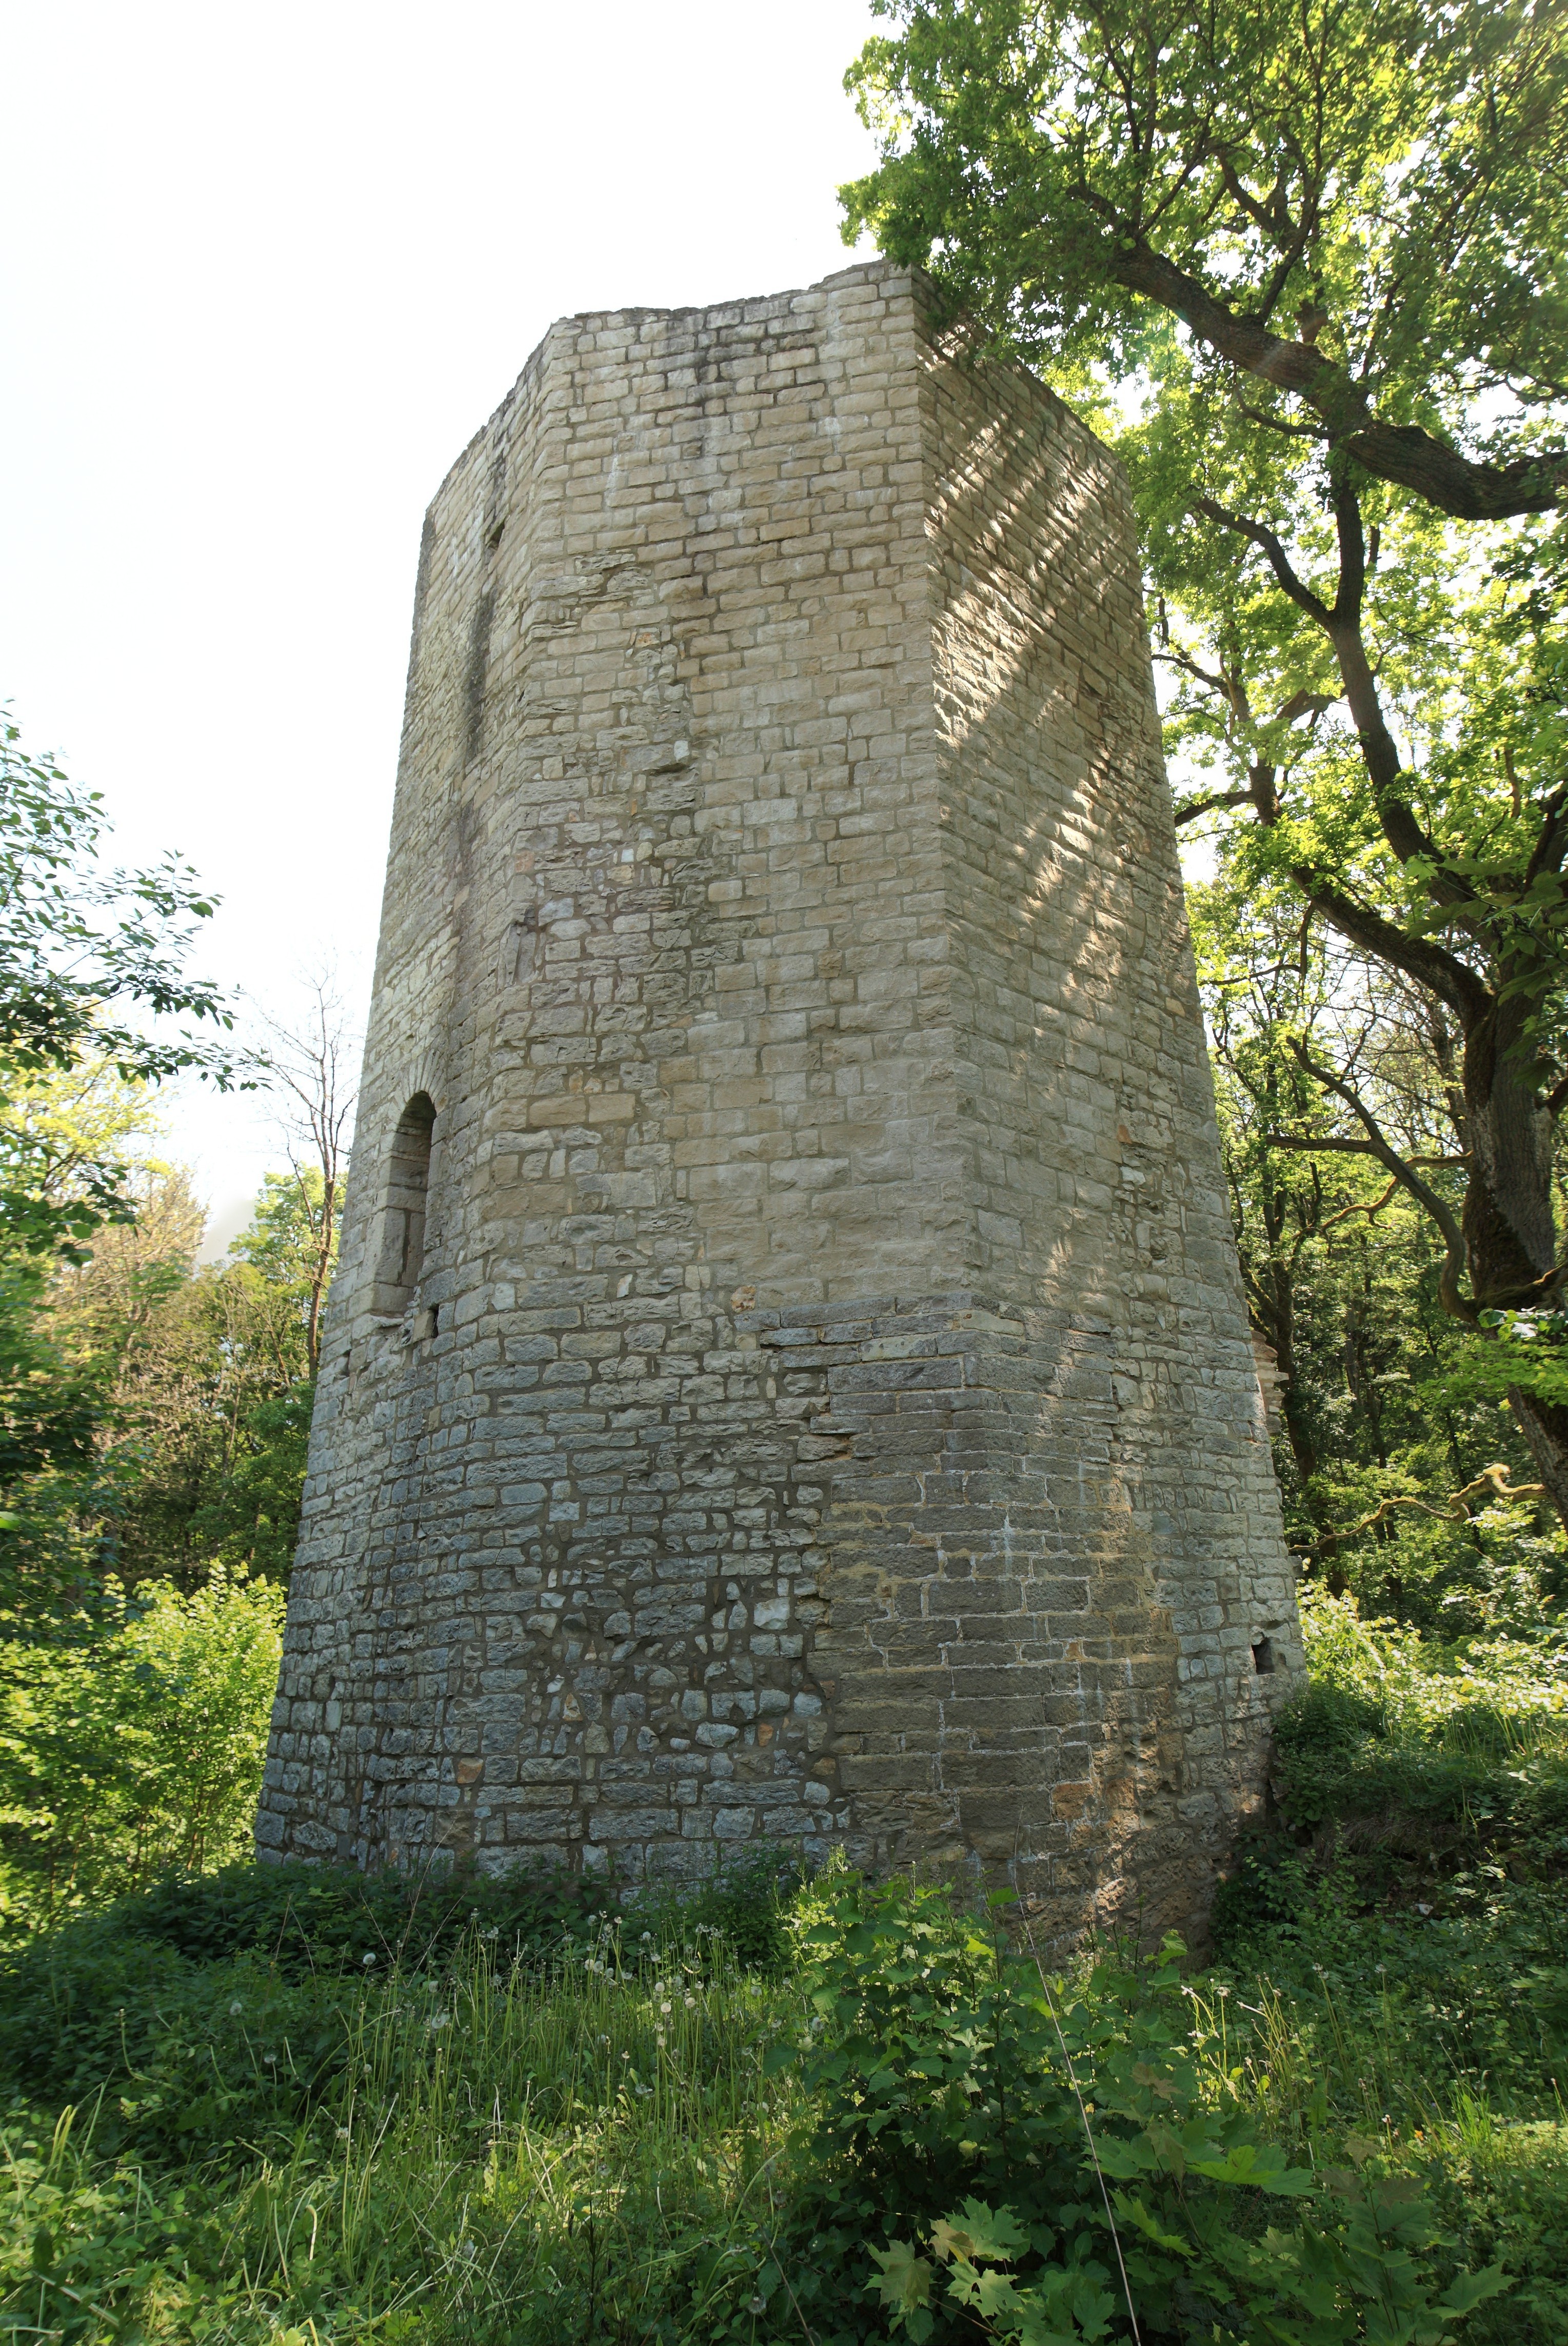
<point x="263" y="272"/>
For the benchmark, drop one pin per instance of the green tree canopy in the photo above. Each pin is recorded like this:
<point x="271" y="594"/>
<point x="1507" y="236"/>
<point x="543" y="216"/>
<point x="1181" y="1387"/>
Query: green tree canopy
<point x="93" y="960"/>
<point x="1357" y="208"/>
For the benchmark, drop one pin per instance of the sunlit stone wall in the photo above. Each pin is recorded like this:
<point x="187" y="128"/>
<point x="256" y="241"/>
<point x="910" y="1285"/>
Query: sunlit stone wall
<point x="787" y="1379"/>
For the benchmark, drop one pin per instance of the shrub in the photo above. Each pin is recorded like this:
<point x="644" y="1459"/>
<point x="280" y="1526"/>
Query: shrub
<point x="328" y="1919"/>
<point x="1044" y="2157"/>
<point x="136" y="1746"/>
<point x="181" y="2060"/>
<point x="214" y="2009"/>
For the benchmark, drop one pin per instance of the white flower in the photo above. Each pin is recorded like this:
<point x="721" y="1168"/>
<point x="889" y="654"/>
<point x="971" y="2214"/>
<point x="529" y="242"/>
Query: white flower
<point x="439" y="2020"/>
<point x="342" y="2134"/>
<point x="664" y="2008"/>
<point x="691" y="2003"/>
<point x="367" y="1960"/>
<point x="235" y="2009"/>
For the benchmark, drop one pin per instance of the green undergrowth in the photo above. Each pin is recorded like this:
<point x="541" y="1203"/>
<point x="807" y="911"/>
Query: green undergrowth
<point x="281" y="2103"/>
<point x="835" y="2111"/>
<point x="1417" y="1839"/>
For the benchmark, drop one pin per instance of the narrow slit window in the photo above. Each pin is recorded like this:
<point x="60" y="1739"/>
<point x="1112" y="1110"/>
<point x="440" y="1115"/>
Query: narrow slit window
<point x="402" y="1220"/>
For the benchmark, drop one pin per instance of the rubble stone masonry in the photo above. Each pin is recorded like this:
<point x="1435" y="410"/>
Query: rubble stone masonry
<point x="787" y="1379"/>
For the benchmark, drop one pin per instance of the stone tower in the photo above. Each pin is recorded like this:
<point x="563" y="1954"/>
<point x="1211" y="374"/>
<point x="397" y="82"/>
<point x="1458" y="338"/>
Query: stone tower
<point x="786" y="1378"/>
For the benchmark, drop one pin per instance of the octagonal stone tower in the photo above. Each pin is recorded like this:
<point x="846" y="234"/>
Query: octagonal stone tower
<point x="786" y="1378"/>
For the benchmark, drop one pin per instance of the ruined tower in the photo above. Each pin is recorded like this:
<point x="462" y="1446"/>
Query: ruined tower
<point x="786" y="1378"/>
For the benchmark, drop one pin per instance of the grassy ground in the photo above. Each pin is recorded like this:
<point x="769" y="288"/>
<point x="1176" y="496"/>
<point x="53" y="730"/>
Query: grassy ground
<point x="296" y="2108"/>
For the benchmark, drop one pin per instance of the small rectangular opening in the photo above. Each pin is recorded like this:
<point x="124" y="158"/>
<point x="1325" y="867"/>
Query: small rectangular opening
<point x="1263" y="1657"/>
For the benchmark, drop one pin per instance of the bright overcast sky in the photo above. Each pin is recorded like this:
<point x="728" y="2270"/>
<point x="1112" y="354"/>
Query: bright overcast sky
<point x="263" y="273"/>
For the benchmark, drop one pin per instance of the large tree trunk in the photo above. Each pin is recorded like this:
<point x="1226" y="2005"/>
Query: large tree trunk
<point x="1509" y="1225"/>
<point x="1544" y="1425"/>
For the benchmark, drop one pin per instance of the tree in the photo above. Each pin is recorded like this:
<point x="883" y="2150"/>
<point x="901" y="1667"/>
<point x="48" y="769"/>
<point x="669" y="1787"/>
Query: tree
<point x="207" y="1380"/>
<point x="82" y="946"/>
<point x="90" y="959"/>
<point x="1357" y="209"/>
<point x="1382" y="1424"/>
<point x="309" y="1061"/>
<point x="192" y="1448"/>
<point x="1155" y="193"/>
<point x="133" y="1748"/>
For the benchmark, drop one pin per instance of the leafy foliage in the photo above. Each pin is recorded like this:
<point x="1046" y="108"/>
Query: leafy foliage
<point x="539" y="2113"/>
<point x="76" y="943"/>
<point x="1103" y="2181"/>
<point x="188" y="1451"/>
<point x="1359" y="210"/>
<point x="134" y="1745"/>
<point x="92" y="963"/>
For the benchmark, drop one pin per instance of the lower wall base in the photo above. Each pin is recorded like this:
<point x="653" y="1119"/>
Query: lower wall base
<point x="942" y="1584"/>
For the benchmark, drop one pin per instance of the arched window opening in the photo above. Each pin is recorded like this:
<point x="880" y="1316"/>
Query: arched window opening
<point x="403" y="1221"/>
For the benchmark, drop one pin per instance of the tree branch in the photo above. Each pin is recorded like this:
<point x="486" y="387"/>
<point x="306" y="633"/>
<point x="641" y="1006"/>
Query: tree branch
<point x="1440" y="972"/>
<point x="1370" y="1211"/>
<point x="1442" y="1214"/>
<point x="1404" y="453"/>
<point x="1207" y="806"/>
<point x="1278" y="562"/>
<point x="1494" y="1480"/>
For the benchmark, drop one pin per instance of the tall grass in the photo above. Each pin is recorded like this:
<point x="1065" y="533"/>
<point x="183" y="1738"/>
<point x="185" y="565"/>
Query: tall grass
<point x="583" y="2152"/>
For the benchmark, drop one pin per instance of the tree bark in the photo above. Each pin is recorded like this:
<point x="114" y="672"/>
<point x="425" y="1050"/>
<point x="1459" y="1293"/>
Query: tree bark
<point x="1509" y="1231"/>
<point x="1544" y="1425"/>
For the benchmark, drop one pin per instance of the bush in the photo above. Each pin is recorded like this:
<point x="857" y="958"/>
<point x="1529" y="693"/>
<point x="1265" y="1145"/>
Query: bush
<point x="214" y="2009"/>
<point x="179" y="2062"/>
<point x="1402" y="1772"/>
<point x="135" y="1746"/>
<point x="1047" y="2159"/>
<point x="321" y="1919"/>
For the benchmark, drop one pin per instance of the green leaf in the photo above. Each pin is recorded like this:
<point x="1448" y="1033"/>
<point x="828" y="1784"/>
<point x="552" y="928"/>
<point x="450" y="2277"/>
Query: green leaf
<point x="979" y="2234"/>
<point x="1471" y="2290"/>
<point x="904" y="2285"/>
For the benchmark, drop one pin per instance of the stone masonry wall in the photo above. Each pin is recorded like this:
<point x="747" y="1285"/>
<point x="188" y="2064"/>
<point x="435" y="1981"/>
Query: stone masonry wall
<point x="822" y="1409"/>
